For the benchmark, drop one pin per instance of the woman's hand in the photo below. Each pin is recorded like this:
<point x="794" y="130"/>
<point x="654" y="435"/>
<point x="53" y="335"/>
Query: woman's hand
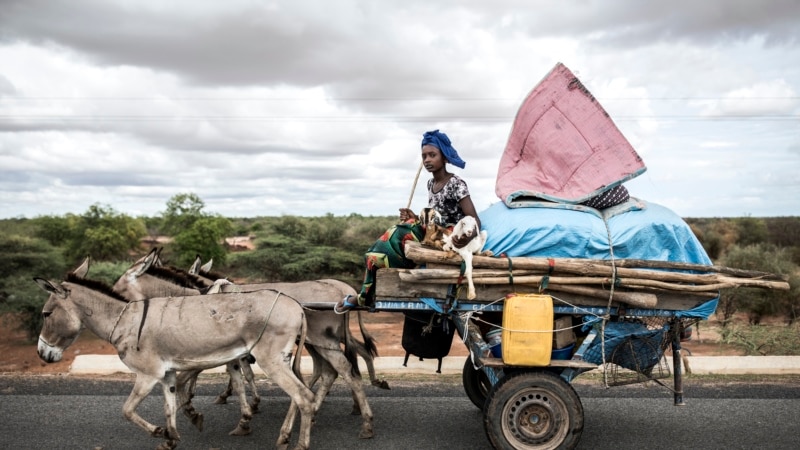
<point x="406" y="214"/>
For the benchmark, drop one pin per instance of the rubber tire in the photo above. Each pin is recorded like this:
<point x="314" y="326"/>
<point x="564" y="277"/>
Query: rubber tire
<point x="522" y="395"/>
<point x="476" y="384"/>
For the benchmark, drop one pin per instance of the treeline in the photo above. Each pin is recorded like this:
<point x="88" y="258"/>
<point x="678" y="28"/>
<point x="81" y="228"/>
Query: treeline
<point x="292" y="248"/>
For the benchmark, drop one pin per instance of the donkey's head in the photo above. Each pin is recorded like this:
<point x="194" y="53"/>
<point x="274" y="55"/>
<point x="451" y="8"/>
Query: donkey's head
<point x="146" y="278"/>
<point x="62" y="322"/>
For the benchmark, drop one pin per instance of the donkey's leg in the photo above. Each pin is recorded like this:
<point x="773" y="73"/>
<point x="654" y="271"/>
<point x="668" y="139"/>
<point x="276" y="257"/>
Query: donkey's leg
<point x="186" y="382"/>
<point x="222" y="398"/>
<point x="141" y="388"/>
<point x="243" y="428"/>
<point x="275" y="363"/>
<point x="340" y="364"/>
<point x="368" y="351"/>
<point x="320" y="371"/>
<point x="326" y="373"/>
<point x="170" y="387"/>
<point x="249" y="376"/>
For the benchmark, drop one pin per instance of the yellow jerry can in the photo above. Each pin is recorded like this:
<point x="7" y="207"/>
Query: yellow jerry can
<point x="527" y="329"/>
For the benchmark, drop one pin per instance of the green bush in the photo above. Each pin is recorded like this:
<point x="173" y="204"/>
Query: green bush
<point x="757" y="303"/>
<point x="23" y="258"/>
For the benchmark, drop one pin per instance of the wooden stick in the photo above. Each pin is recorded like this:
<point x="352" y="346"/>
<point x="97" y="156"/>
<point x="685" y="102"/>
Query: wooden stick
<point x="638" y="299"/>
<point x="630" y="278"/>
<point x="414" y="187"/>
<point x="596" y="267"/>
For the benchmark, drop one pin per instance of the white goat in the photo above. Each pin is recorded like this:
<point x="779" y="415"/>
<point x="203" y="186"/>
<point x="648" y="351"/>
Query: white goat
<point x="467" y="228"/>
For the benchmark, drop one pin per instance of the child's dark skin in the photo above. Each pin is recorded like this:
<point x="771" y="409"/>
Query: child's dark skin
<point x="434" y="162"/>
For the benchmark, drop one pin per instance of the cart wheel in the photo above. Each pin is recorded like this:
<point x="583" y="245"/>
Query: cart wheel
<point x="476" y="383"/>
<point x="533" y="410"/>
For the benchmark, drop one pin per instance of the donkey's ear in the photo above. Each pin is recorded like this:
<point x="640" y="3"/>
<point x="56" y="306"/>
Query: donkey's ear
<point x="195" y="269"/>
<point x="50" y="287"/>
<point x="143" y="265"/>
<point x="83" y="269"/>
<point x="157" y="262"/>
<point x="207" y="266"/>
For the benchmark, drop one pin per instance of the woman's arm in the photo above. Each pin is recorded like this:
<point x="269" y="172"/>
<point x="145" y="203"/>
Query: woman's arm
<point x="469" y="209"/>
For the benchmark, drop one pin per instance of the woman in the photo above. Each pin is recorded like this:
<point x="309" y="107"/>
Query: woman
<point x="447" y="193"/>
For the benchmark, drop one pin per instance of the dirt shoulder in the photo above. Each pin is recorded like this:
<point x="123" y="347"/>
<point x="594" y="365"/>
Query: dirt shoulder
<point x="19" y="355"/>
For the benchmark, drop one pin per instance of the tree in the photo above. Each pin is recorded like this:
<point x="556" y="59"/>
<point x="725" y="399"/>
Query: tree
<point x="193" y="231"/>
<point x="104" y="234"/>
<point x="205" y="237"/>
<point x="182" y="211"/>
<point x="23" y="258"/>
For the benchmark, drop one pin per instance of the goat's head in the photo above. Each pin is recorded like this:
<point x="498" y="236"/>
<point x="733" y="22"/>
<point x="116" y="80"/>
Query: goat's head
<point x="432" y="221"/>
<point x="430" y="216"/>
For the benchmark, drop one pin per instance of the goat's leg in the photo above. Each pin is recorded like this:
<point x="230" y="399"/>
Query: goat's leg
<point x="467" y="256"/>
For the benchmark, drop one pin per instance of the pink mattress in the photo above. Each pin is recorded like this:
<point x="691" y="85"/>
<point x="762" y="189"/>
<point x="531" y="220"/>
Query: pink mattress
<point x="563" y="146"/>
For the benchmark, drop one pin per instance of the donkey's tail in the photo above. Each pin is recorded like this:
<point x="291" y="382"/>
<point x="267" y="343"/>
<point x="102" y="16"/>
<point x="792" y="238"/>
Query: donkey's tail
<point x="350" y="347"/>
<point x="300" y="344"/>
<point x="369" y="341"/>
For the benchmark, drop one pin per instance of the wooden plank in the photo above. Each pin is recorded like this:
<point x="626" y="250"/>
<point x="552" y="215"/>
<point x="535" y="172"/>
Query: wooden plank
<point x="498" y="363"/>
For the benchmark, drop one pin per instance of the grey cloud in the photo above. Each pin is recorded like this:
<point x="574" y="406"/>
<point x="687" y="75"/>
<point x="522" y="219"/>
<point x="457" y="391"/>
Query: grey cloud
<point x="637" y="23"/>
<point x="10" y="178"/>
<point x="115" y="179"/>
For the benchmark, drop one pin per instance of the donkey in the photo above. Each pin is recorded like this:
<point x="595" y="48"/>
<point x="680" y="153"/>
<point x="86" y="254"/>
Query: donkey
<point x="143" y="279"/>
<point x="224" y="327"/>
<point x="367" y="350"/>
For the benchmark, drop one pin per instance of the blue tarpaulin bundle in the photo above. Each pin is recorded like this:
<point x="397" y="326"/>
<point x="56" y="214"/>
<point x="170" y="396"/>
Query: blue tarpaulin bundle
<point x="633" y="230"/>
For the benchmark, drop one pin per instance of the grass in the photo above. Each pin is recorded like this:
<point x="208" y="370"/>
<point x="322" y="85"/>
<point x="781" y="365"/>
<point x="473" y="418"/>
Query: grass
<point x="763" y="340"/>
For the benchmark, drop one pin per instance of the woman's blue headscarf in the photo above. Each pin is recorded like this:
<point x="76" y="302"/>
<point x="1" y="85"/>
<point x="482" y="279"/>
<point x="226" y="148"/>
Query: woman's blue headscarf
<point x="442" y="142"/>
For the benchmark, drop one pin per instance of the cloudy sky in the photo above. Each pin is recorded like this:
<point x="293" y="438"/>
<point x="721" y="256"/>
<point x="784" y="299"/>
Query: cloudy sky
<point x="315" y="107"/>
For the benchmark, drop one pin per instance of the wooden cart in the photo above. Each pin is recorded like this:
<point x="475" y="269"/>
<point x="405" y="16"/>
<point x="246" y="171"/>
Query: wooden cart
<point x="535" y="407"/>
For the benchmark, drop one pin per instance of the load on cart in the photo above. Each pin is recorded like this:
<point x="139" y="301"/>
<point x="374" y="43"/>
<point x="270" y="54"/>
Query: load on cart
<point x="584" y="276"/>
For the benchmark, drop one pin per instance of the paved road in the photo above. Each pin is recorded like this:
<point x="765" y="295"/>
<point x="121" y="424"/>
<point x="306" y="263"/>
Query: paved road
<point x="85" y="413"/>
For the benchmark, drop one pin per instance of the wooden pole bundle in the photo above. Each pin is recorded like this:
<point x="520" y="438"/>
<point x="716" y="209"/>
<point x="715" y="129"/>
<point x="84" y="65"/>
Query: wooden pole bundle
<point x="635" y="274"/>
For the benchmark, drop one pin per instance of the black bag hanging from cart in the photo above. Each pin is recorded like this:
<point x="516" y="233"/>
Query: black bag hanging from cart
<point x="427" y="335"/>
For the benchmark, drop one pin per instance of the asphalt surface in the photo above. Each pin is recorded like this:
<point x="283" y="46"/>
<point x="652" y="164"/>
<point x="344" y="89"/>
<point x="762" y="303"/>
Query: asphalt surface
<point x="68" y="412"/>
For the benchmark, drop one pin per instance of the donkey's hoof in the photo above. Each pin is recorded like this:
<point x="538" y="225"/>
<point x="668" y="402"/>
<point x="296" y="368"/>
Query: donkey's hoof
<point x="381" y="384"/>
<point x="168" y="445"/>
<point x="241" y="430"/>
<point x="366" y="433"/>
<point x="197" y="421"/>
<point x="220" y="400"/>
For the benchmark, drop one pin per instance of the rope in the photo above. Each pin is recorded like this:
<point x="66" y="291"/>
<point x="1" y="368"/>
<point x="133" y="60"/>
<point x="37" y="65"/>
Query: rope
<point x="277" y="295"/>
<point x="511" y="275"/>
<point x="610" y="299"/>
<point x="114" y="328"/>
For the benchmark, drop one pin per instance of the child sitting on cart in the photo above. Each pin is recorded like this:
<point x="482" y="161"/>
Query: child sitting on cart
<point x="447" y="193"/>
